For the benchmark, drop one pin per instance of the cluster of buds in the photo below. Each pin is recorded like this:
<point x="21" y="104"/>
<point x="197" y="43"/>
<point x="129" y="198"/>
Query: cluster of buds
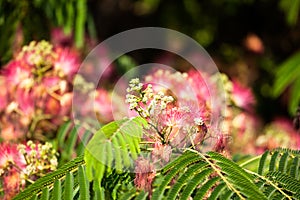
<point x="24" y="163"/>
<point x="143" y="100"/>
<point x="36" y="91"/>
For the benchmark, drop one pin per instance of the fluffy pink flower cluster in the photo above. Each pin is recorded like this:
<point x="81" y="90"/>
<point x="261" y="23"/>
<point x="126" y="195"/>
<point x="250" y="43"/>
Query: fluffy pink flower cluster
<point x="36" y="90"/>
<point x="166" y="101"/>
<point x="23" y="163"/>
<point x="177" y="108"/>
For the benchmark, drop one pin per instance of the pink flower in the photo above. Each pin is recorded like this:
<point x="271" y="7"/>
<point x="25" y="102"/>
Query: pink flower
<point x="161" y="153"/>
<point x="200" y="87"/>
<point x="67" y="62"/>
<point x="3" y="94"/>
<point x="11" y="162"/>
<point x="66" y="103"/>
<point x="94" y="105"/>
<point x="221" y="143"/>
<point x="11" y="184"/>
<point x="22" y="162"/>
<point x="50" y="82"/>
<point x="171" y="105"/>
<point x="25" y="101"/>
<point x="242" y="96"/>
<point x="38" y="93"/>
<point x="16" y="72"/>
<point x="188" y="89"/>
<point x="59" y="38"/>
<point x="12" y="131"/>
<point x="102" y="106"/>
<point x="9" y="155"/>
<point x="145" y="174"/>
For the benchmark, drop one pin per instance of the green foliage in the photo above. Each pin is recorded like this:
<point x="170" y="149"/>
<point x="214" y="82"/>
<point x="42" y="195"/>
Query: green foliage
<point x="68" y="142"/>
<point x="193" y="174"/>
<point x="288" y="74"/>
<point x="278" y="173"/>
<point x="70" y="182"/>
<point x="212" y="176"/>
<point x="118" y="144"/>
<point x="197" y="175"/>
<point x="36" y="18"/>
<point x="46" y="186"/>
<point x="291" y="9"/>
<point x="102" y="173"/>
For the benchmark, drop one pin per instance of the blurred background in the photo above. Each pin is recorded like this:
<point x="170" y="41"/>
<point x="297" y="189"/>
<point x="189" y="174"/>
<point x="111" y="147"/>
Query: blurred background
<point x="254" y="42"/>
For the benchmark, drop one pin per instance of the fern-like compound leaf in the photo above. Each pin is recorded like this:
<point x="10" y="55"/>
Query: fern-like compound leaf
<point x="194" y="182"/>
<point x="115" y="145"/>
<point x="196" y="169"/>
<point x="158" y="193"/>
<point x="217" y="191"/>
<point x="48" y="180"/>
<point x="286" y="181"/>
<point x="206" y="187"/>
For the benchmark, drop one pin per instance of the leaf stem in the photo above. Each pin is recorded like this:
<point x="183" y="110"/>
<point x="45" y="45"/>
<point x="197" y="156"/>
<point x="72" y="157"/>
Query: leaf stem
<point x="269" y="182"/>
<point x="250" y="161"/>
<point x="219" y="172"/>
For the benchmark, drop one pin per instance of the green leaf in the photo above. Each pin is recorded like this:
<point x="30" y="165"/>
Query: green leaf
<point x="83" y="184"/>
<point x="83" y="142"/>
<point x="206" y="187"/>
<point x="186" y="161"/>
<point x="286" y="181"/>
<point x="141" y="196"/>
<point x="294" y="99"/>
<point x="80" y="22"/>
<point x="294" y="172"/>
<point x="35" y="197"/>
<point x="237" y="179"/>
<point x="283" y="163"/>
<point x="291" y="9"/>
<point x="194" y="182"/>
<point x="217" y="191"/>
<point x="262" y="162"/>
<point x="289" y="73"/>
<point x="57" y="190"/>
<point x="62" y="132"/>
<point x="45" y="194"/>
<point x="123" y="148"/>
<point x="114" y="143"/>
<point x="286" y="74"/>
<point x="117" y="155"/>
<point x="272" y="166"/>
<point x="128" y="195"/>
<point x="183" y="179"/>
<point x="71" y="142"/>
<point x="68" y="186"/>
